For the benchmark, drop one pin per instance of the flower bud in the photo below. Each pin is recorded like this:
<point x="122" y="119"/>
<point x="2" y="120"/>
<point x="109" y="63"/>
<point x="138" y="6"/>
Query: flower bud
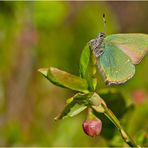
<point x="92" y="127"/>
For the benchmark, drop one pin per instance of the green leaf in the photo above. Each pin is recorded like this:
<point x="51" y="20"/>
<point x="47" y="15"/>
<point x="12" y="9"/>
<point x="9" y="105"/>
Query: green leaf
<point x="88" y="67"/>
<point x="75" y="105"/>
<point x="64" y="79"/>
<point x="76" y="109"/>
<point x="84" y="60"/>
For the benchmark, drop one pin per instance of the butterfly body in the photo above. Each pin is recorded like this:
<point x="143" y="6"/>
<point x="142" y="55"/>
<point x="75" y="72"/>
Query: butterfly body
<point x="116" y="55"/>
<point x="96" y="44"/>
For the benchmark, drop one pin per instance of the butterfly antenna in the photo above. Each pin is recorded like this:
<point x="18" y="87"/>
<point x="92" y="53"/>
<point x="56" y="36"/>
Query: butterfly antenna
<point x="104" y="20"/>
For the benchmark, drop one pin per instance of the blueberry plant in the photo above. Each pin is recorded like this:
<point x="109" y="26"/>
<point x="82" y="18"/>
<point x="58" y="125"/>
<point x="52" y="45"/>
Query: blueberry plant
<point x="87" y="96"/>
<point x="115" y="55"/>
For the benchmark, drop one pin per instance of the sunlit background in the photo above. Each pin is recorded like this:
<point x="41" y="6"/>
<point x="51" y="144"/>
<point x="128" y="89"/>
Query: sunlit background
<point x="41" y="34"/>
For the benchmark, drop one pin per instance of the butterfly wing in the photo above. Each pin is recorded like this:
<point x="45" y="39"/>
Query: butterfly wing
<point x="115" y="65"/>
<point x="135" y="45"/>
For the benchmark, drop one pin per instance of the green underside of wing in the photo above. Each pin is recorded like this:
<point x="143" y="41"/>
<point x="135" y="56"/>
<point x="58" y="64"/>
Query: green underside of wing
<point x="115" y="66"/>
<point x="134" y="45"/>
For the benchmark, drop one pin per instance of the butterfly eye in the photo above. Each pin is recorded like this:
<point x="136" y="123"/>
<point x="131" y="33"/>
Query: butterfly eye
<point x="101" y="35"/>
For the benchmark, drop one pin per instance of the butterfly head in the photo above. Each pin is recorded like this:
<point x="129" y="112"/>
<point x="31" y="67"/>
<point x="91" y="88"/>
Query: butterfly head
<point x="95" y="43"/>
<point x="101" y="36"/>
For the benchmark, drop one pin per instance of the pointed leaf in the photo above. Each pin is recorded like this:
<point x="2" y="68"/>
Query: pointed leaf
<point x="88" y="67"/>
<point x="64" y="79"/>
<point x="76" y="109"/>
<point x="75" y="105"/>
<point x="84" y="60"/>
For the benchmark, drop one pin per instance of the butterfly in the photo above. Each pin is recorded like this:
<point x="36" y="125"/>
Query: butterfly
<point x="117" y="55"/>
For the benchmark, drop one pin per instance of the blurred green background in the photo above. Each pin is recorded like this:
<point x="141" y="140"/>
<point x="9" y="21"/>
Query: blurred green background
<point x="41" y="34"/>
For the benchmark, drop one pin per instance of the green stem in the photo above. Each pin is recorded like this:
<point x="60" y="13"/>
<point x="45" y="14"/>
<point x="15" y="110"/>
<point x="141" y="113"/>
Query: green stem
<point x="128" y="139"/>
<point x="116" y="122"/>
<point x="93" y="71"/>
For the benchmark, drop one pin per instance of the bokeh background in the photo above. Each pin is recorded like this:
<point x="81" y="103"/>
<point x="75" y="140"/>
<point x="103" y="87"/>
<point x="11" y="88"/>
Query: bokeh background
<point x="40" y="34"/>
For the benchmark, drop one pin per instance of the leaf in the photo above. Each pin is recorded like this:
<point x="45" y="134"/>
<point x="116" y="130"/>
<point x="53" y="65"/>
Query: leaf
<point x="64" y="79"/>
<point x="84" y="61"/>
<point x="75" y="105"/>
<point x="88" y="67"/>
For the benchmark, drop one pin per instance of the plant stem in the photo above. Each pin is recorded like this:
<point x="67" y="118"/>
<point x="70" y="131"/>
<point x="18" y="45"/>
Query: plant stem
<point x="99" y="106"/>
<point x="93" y="71"/>
<point x="116" y="122"/>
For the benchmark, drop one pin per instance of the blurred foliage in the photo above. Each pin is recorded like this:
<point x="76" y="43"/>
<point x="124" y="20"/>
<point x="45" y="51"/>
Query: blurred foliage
<point x="39" y="34"/>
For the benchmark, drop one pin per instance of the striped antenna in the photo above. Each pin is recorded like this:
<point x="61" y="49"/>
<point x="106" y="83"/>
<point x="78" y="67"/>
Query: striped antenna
<point x="104" y="20"/>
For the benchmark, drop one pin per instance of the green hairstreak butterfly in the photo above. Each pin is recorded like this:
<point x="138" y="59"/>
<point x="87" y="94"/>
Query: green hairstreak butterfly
<point x="117" y="54"/>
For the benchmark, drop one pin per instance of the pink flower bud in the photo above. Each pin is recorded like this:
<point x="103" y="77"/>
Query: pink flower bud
<point x="92" y="127"/>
